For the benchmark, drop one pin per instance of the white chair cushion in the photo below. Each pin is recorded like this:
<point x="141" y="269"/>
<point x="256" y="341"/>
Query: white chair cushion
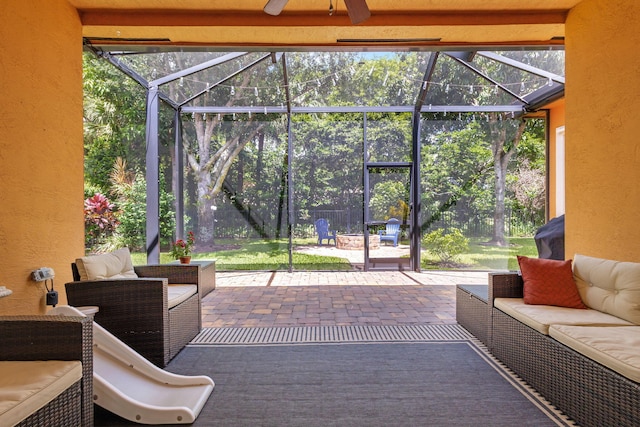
<point x="540" y="317"/>
<point x="179" y="294"/>
<point x="615" y="347"/>
<point x="609" y="286"/>
<point x="113" y="265"/>
<point x="27" y="386"/>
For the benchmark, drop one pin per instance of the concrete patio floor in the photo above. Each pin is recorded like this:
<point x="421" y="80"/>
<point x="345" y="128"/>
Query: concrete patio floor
<point x="267" y="299"/>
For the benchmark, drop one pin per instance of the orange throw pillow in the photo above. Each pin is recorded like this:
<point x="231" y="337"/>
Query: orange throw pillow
<point x="549" y="282"/>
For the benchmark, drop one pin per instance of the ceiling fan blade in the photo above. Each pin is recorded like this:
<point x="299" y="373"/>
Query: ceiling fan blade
<point x="274" y="7"/>
<point x="358" y="10"/>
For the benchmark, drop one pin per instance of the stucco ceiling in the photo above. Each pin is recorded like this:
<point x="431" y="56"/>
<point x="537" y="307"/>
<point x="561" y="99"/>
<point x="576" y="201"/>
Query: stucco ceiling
<point x="399" y="23"/>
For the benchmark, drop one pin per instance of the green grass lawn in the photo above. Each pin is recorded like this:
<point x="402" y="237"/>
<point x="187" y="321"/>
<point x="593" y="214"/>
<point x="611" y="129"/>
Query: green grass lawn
<point x="260" y="255"/>
<point x="483" y="257"/>
<point x="270" y="255"/>
<point x="245" y="254"/>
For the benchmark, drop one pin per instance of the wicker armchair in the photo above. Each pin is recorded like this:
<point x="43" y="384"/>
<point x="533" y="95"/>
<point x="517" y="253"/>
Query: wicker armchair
<point x="136" y="310"/>
<point x="30" y="338"/>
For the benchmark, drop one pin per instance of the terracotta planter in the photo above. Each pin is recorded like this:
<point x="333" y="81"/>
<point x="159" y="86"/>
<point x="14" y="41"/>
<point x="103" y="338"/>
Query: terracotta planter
<point x="185" y="259"/>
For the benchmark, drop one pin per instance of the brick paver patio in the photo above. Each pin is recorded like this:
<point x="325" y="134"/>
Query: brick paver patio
<point x="266" y="299"/>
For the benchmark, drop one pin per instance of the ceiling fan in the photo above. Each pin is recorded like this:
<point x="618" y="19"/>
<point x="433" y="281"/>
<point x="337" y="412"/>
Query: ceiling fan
<point x="357" y="9"/>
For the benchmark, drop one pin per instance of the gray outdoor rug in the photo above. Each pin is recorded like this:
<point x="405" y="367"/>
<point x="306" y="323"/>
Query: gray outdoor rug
<point x="397" y="382"/>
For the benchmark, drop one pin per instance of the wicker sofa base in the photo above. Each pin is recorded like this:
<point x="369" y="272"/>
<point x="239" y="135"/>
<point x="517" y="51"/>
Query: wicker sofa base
<point x="161" y="345"/>
<point x="64" y="410"/>
<point x="586" y="391"/>
<point x="184" y="324"/>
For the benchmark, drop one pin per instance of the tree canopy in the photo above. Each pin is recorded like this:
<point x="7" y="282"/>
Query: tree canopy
<point x="474" y="164"/>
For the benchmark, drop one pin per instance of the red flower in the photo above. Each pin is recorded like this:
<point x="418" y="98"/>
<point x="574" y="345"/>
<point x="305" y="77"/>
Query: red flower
<point x="181" y="247"/>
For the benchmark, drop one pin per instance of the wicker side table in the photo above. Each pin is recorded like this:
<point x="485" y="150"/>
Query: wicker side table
<point x="472" y="310"/>
<point x="206" y="274"/>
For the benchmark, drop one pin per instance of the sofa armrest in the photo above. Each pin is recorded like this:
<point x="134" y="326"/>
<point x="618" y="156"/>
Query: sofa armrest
<point x="505" y="285"/>
<point x="188" y="274"/>
<point x="52" y="338"/>
<point x="45" y="338"/>
<point x="124" y="305"/>
<point x="120" y="295"/>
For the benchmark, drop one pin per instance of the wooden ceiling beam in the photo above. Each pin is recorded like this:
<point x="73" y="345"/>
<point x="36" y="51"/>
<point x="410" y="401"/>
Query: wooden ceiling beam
<point x="182" y="18"/>
<point x="143" y="44"/>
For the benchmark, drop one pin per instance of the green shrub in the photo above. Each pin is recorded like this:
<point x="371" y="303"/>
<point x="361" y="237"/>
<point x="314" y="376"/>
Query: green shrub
<point x="446" y="246"/>
<point x="133" y="217"/>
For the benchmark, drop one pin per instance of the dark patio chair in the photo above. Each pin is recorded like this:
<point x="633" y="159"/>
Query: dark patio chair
<point x="154" y="309"/>
<point x="392" y="232"/>
<point x="322" y="228"/>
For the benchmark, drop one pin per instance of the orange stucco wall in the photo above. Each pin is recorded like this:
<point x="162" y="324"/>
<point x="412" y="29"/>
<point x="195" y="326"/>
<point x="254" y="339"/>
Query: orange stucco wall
<point x="556" y="120"/>
<point x="602" y="132"/>
<point x="41" y="148"/>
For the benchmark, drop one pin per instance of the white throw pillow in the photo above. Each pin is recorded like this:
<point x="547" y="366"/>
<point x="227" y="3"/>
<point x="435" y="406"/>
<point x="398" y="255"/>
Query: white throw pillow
<point x="612" y="287"/>
<point x="114" y="265"/>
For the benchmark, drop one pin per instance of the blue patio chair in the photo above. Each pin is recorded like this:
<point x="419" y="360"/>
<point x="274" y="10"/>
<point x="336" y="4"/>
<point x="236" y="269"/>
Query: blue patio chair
<point x="322" y="228"/>
<point x="392" y="233"/>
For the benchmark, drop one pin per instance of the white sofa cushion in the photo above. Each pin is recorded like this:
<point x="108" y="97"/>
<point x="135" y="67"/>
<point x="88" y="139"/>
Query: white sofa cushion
<point x="27" y="386"/>
<point x="113" y="265"/>
<point x="615" y="347"/>
<point x="609" y="286"/>
<point x="540" y="317"/>
<point x="179" y="293"/>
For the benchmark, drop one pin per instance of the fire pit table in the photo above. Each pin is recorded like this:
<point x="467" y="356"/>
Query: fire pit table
<point x="356" y="241"/>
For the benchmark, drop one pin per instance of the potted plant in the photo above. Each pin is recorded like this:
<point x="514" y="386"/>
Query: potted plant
<point x="181" y="249"/>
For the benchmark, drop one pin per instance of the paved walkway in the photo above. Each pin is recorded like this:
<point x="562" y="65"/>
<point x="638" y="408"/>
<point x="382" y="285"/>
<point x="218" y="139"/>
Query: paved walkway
<point x="266" y="299"/>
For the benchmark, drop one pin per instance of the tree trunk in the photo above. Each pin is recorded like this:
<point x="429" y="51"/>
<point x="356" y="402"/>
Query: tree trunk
<point x="260" y="158"/>
<point x="210" y="169"/>
<point x="500" y="168"/>
<point x="503" y="150"/>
